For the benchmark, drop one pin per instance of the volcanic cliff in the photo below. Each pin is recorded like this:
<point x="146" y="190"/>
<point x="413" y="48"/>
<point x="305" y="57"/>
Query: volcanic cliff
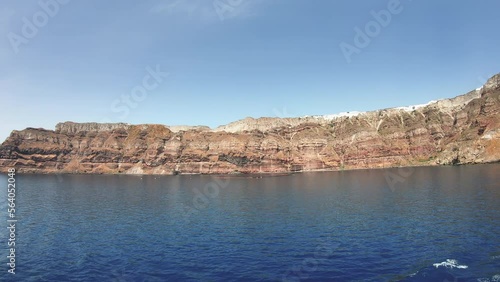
<point x="461" y="130"/>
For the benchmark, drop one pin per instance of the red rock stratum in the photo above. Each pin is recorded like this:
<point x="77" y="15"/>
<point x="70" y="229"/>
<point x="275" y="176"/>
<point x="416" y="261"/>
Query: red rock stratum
<point x="461" y="130"/>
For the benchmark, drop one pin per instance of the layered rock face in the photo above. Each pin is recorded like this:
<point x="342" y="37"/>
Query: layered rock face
<point x="462" y="130"/>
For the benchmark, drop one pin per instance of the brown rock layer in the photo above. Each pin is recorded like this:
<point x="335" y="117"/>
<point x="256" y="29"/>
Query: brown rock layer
<point x="462" y="130"/>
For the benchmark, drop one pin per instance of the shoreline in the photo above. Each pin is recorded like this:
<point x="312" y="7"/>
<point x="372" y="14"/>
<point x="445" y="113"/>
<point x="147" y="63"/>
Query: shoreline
<point x="253" y="175"/>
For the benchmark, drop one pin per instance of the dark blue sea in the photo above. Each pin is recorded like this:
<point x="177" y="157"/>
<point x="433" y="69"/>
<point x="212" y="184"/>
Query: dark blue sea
<point x="420" y="224"/>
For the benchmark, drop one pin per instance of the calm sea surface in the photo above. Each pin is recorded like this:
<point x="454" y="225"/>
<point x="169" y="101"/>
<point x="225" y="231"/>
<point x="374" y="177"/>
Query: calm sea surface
<point x="422" y="224"/>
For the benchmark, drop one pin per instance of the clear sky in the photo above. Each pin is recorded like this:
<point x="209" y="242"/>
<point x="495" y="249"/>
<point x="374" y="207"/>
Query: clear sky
<point x="230" y="59"/>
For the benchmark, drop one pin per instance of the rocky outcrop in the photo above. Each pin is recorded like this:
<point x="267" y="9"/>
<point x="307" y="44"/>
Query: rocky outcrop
<point x="462" y="130"/>
<point x="177" y="128"/>
<point x="72" y="127"/>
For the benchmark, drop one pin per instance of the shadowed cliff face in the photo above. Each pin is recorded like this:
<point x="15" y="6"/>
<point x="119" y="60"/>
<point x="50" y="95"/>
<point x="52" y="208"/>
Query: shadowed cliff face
<point x="462" y="130"/>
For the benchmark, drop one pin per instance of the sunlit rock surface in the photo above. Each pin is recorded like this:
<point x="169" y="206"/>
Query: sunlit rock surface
<point x="461" y="130"/>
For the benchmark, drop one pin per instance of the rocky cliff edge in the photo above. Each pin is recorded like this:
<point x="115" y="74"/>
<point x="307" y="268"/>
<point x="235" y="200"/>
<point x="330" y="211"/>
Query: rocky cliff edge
<point x="461" y="130"/>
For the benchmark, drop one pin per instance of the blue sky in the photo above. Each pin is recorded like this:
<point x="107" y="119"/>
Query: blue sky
<point x="229" y="59"/>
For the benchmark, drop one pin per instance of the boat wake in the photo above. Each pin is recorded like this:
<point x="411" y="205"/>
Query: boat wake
<point x="442" y="271"/>
<point x="450" y="263"/>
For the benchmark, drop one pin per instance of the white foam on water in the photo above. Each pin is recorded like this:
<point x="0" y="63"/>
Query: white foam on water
<point x="450" y="263"/>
